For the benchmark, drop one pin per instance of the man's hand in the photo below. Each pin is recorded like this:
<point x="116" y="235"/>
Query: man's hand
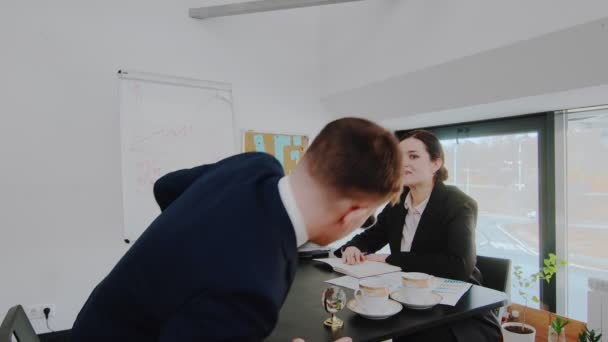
<point x="352" y="256"/>
<point x="377" y="257"/>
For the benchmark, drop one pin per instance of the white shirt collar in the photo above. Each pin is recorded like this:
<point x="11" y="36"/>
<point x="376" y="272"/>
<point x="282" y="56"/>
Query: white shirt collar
<point x="419" y="209"/>
<point x="289" y="202"/>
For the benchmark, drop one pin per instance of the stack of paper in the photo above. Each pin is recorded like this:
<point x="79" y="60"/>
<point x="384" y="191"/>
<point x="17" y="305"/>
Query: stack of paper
<point x="362" y="270"/>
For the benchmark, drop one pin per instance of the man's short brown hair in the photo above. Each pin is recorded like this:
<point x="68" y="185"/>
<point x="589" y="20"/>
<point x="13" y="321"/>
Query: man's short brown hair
<point x="357" y="156"/>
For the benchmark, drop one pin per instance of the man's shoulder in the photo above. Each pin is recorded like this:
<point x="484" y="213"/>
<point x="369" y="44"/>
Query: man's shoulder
<point x="253" y="159"/>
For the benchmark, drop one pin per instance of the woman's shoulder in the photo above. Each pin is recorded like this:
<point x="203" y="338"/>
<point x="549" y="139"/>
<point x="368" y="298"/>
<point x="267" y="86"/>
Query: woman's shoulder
<point x="453" y="194"/>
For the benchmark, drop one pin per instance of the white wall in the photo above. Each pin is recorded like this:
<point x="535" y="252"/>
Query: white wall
<point x="577" y="98"/>
<point x="569" y="59"/>
<point x="60" y="222"/>
<point x="370" y="41"/>
<point x="406" y="62"/>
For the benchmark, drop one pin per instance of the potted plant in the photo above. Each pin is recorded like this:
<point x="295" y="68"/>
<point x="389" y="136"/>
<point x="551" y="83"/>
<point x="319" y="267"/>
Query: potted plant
<point x="557" y="326"/>
<point x="557" y="329"/>
<point x="589" y="336"/>
<point x="520" y="331"/>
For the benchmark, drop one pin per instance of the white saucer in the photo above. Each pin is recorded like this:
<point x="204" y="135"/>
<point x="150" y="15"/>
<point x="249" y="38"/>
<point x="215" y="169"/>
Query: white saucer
<point x="423" y="304"/>
<point x="391" y="308"/>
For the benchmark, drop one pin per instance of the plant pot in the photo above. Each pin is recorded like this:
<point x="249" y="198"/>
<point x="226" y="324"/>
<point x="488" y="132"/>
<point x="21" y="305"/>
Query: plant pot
<point x="509" y="336"/>
<point x="552" y="335"/>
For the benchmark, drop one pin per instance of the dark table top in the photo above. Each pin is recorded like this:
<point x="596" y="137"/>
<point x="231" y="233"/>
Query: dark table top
<point x="303" y="315"/>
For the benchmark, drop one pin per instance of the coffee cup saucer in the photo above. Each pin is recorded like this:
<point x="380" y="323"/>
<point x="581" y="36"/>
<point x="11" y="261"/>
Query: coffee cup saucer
<point x="391" y="308"/>
<point x="419" y="301"/>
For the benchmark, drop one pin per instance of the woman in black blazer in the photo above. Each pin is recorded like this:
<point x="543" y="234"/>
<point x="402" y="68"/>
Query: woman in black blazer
<point x="431" y="230"/>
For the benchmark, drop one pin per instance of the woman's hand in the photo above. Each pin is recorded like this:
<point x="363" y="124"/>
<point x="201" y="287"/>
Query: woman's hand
<point x="352" y="256"/>
<point x="377" y="257"/>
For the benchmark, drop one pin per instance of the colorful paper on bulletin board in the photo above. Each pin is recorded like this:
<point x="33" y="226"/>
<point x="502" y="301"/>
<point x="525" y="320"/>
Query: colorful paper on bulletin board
<point x="287" y="148"/>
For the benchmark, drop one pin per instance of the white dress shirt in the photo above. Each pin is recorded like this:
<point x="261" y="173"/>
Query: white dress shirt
<point x="411" y="221"/>
<point x="295" y="216"/>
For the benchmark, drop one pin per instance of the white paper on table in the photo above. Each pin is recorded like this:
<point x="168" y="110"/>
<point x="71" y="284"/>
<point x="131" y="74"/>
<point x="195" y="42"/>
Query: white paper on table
<point x="362" y="270"/>
<point x="393" y="280"/>
<point x="345" y="281"/>
<point x="450" y="290"/>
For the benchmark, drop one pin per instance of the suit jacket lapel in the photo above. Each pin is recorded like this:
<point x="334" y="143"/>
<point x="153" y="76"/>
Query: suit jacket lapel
<point x="429" y="218"/>
<point x="397" y="222"/>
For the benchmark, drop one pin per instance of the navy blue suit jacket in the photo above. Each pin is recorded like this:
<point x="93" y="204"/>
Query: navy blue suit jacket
<point x="215" y="265"/>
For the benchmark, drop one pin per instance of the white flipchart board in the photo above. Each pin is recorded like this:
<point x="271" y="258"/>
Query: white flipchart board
<point x="166" y="124"/>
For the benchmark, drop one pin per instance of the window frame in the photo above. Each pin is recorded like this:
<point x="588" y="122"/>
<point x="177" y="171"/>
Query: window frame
<point x="544" y="124"/>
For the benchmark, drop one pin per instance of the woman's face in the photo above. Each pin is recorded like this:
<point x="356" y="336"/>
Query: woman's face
<point x="418" y="167"/>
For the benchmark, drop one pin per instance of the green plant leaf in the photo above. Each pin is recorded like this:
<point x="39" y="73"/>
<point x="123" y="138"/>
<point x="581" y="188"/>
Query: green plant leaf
<point x="525" y="281"/>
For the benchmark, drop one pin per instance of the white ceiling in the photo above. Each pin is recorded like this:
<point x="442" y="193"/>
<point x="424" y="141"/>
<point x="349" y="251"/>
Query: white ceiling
<point x="410" y="63"/>
<point x="422" y="60"/>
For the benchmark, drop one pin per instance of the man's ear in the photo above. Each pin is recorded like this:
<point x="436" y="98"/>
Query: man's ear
<point x="354" y="217"/>
<point x="349" y="218"/>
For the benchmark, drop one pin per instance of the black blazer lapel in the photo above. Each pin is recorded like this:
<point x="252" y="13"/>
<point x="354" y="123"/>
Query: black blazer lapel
<point x="397" y="222"/>
<point x="428" y="221"/>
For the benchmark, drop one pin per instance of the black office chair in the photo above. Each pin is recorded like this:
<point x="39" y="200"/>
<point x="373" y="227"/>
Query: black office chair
<point x="496" y="273"/>
<point x="16" y="326"/>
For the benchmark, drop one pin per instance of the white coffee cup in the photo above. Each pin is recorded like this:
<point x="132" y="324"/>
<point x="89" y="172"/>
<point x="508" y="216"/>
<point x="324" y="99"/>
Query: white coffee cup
<point x="417" y="287"/>
<point x="372" y="295"/>
<point x="417" y="280"/>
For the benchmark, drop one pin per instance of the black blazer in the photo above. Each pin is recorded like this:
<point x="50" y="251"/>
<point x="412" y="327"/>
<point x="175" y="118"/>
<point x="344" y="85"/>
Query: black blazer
<point x="215" y="265"/>
<point x="444" y="246"/>
<point x="444" y="243"/>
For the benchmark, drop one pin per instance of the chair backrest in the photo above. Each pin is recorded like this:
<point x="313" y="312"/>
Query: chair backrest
<point x="17" y="325"/>
<point x="496" y="273"/>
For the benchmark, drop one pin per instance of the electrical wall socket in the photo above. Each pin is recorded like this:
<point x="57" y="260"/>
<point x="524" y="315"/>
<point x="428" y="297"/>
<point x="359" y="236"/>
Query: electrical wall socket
<point x="37" y="311"/>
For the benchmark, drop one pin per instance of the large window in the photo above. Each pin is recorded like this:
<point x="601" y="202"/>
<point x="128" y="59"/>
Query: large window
<point x="586" y="205"/>
<point x="507" y="166"/>
<point x="501" y="173"/>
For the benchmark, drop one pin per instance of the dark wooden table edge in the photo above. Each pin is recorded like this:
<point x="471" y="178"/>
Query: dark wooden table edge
<point x="452" y="318"/>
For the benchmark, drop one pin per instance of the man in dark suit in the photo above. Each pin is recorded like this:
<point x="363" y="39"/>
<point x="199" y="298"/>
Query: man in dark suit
<point x="217" y="263"/>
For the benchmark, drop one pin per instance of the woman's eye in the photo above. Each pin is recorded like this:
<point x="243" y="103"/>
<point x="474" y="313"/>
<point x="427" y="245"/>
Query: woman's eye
<point x="413" y="156"/>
